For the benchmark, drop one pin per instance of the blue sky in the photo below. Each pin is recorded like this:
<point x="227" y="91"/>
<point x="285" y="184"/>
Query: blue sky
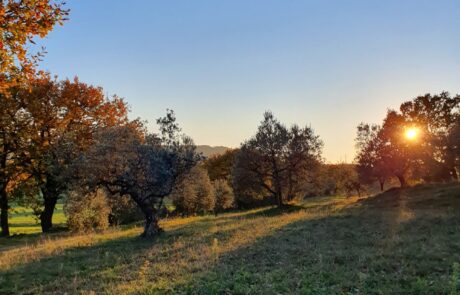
<point x="220" y="64"/>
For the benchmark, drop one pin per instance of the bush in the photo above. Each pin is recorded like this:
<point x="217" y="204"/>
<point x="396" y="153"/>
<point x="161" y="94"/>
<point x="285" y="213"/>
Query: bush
<point x="223" y="195"/>
<point x="194" y="193"/>
<point x="124" y="210"/>
<point x="87" y="211"/>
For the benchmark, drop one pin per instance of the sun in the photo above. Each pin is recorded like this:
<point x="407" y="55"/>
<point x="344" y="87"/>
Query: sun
<point x="411" y="133"/>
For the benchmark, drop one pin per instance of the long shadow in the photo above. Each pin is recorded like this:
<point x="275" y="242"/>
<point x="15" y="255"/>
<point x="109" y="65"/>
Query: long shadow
<point x="24" y="224"/>
<point x="267" y="211"/>
<point x="357" y="250"/>
<point x="95" y="267"/>
<point x="354" y="252"/>
<point x="417" y="197"/>
<point x="21" y="239"/>
<point x="77" y="264"/>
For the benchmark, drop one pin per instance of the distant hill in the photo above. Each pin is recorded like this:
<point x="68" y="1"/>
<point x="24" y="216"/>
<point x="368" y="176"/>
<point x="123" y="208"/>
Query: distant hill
<point x="208" y="150"/>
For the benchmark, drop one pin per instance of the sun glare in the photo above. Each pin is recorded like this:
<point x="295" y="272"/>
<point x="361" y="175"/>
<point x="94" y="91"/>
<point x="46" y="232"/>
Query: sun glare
<point x="411" y="133"/>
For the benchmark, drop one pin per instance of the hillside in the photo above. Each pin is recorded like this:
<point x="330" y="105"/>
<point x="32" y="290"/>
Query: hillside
<point x="399" y="242"/>
<point x="208" y="150"/>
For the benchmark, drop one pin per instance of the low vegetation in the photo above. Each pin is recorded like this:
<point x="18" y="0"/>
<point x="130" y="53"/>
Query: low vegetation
<point x="401" y="241"/>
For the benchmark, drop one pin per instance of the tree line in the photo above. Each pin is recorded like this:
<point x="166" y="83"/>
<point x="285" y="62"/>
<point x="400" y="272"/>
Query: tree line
<point x="66" y="140"/>
<point x="385" y="151"/>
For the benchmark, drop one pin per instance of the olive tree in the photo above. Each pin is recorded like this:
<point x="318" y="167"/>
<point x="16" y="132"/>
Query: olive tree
<point x="128" y="161"/>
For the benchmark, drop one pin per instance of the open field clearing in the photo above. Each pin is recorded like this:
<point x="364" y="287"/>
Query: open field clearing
<point x="403" y="241"/>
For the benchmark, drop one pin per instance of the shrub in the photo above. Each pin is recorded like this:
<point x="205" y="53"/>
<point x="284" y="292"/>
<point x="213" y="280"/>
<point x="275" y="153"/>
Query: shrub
<point x="223" y="194"/>
<point x="124" y="210"/>
<point x="194" y="192"/>
<point x="87" y="211"/>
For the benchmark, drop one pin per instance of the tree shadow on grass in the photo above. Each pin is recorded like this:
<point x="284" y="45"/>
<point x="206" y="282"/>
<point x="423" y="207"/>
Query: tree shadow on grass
<point x="371" y="252"/>
<point x="359" y="249"/>
<point x="21" y="239"/>
<point x="78" y="268"/>
<point x="98" y="266"/>
<point x="420" y="197"/>
<point x="270" y="211"/>
<point x="24" y="224"/>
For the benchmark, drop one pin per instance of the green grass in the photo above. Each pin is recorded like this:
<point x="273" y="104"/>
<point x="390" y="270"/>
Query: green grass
<point x="23" y="221"/>
<point x="401" y="242"/>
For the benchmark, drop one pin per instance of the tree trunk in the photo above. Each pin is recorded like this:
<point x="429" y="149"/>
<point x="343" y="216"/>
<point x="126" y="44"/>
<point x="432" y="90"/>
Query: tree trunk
<point x="402" y="180"/>
<point x="46" y="217"/>
<point x="277" y="182"/>
<point x="152" y="227"/>
<point x="279" y="200"/>
<point x="454" y="174"/>
<point x="4" y="212"/>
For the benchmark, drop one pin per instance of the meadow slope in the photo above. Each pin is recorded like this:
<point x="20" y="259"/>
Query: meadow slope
<point x="402" y="241"/>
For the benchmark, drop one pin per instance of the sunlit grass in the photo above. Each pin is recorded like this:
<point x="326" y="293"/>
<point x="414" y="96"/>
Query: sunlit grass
<point x="23" y="221"/>
<point x="400" y="242"/>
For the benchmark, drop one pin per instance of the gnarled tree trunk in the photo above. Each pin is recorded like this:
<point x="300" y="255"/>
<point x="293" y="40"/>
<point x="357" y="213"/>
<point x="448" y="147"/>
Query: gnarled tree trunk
<point x="151" y="228"/>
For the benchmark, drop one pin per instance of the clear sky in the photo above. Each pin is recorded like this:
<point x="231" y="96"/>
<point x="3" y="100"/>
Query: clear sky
<point x="221" y="63"/>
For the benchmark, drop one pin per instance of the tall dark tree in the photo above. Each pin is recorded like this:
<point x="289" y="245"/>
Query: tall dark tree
<point x="435" y="116"/>
<point x="386" y="150"/>
<point x="454" y="142"/>
<point x="277" y="159"/>
<point x="14" y="138"/>
<point x="370" y="163"/>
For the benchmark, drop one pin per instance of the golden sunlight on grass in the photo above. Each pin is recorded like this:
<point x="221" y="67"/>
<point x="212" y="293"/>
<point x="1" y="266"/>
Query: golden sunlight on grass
<point x="325" y="245"/>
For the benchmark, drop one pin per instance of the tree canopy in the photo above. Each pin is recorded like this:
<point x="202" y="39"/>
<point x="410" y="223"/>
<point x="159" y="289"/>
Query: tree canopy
<point x="143" y="166"/>
<point x="21" y="21"/>
<point x="386" y="150"/>
<point x="276" y="160"/>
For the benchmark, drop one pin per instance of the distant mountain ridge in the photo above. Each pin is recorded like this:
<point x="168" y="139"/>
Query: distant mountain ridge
<point x="208" y="150"/>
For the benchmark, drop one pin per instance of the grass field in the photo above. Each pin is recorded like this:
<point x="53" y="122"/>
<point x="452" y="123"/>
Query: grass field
<point x="400" y="242"/>
<point x="23" y="221"/>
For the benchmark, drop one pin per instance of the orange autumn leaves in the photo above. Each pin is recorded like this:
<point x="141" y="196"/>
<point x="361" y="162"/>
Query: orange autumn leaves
<point x="20" y="22"/>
